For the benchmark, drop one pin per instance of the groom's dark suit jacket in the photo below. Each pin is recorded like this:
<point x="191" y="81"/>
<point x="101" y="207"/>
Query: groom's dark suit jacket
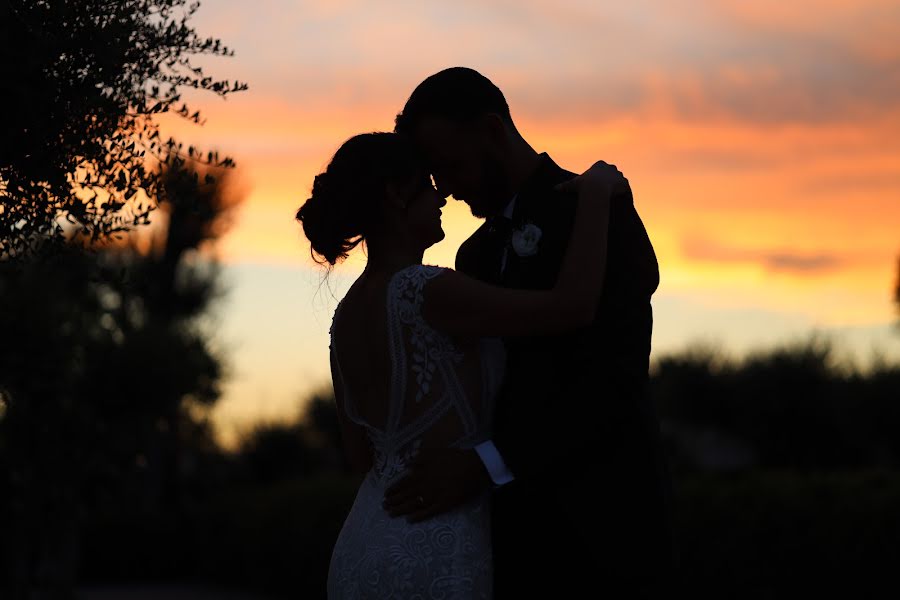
<point x="574" y="423"/>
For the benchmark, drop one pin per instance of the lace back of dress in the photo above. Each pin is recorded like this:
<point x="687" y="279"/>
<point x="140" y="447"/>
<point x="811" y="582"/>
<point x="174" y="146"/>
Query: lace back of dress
<point x="436" y="387"/>
<point x="435" y="399"/>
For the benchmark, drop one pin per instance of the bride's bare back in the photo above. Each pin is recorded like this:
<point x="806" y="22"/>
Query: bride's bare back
<point x="361" y="336"/>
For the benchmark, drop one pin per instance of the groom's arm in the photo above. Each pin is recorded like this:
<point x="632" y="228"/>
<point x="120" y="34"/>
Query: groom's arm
<point x="558" y="225"/>
<point x="595" y="370"/>
<point x="469" y="262"/>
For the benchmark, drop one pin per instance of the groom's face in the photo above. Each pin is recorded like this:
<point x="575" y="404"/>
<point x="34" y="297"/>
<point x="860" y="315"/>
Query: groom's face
<point x="465" y="162"/>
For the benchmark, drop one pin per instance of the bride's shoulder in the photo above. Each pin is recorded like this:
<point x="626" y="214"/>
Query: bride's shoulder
<point x="410" y="283"/>
<point x="418" y="275"/>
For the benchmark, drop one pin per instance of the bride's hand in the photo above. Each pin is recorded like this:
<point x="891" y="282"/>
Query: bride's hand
<point x="602" y="179"/>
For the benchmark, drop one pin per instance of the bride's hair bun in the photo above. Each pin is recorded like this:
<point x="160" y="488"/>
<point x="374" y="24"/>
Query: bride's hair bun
<point x="347" y="198"/>
<point x="329" y="235"/>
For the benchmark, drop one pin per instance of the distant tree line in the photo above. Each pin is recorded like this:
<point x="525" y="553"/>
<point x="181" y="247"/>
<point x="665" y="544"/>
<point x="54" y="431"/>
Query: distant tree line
<point x="789" y="408"/>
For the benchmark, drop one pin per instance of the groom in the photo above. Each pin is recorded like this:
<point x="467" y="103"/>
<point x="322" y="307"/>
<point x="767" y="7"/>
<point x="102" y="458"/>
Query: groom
<point x="580" y="501"/>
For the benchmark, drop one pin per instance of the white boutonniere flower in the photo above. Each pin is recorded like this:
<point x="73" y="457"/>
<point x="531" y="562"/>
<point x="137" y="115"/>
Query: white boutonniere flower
<point x="525" y="239"/>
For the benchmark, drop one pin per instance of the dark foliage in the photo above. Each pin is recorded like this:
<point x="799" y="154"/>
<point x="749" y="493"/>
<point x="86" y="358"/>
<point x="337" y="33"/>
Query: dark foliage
<point x="766" y="534"/>
<point x="790" y="408"/>
<point x="777" y="485"/>
<point x="309" y="447"/>
<point x="105" y="373"/>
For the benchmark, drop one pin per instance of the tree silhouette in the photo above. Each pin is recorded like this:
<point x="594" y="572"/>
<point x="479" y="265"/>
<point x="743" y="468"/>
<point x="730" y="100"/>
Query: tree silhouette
<point x="307" y="446"/>
<point x="103" y="365"/>
<point x="83" y="82"/>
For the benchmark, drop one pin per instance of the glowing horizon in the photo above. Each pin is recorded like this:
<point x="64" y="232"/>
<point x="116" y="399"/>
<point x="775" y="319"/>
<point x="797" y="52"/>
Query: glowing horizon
<point x="760" y="141"/>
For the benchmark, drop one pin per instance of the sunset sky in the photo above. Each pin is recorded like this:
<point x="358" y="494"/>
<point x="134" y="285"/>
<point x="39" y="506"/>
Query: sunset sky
<point x="761" y="139"/>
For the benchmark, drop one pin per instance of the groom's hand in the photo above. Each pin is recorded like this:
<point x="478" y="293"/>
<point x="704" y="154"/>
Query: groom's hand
<point x="438" y="480"/>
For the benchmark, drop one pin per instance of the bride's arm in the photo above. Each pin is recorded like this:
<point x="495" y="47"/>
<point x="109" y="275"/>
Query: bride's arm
<point x="460" y="305"/>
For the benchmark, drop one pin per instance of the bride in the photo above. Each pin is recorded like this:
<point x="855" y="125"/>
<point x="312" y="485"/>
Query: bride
<point x="415" y="358"/>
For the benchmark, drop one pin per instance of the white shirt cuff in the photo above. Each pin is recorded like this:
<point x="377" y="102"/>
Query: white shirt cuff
<point x="493" y="462"/>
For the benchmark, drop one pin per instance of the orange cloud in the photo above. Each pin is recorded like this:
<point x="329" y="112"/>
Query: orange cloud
<point x="760" y="138"/>
<point x="786" y="260"/>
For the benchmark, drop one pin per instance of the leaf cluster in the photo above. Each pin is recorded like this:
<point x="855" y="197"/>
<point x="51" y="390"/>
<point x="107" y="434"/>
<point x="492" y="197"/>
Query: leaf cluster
<point x="84" y="82"/>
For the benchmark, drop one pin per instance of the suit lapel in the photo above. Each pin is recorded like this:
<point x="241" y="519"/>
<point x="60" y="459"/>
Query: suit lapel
<point x="536" y="204"/>
<point x="481" y="255"/>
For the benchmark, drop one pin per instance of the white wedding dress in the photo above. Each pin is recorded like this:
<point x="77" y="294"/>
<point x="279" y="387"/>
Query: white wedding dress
<point x="441" y="396"/>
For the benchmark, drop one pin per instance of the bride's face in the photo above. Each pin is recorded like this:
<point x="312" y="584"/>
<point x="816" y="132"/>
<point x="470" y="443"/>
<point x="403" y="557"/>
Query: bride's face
<point x="423" y="214"/>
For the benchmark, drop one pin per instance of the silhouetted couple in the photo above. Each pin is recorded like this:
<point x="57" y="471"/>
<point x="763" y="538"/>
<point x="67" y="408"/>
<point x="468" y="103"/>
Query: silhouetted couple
<point x="499" y="411"/>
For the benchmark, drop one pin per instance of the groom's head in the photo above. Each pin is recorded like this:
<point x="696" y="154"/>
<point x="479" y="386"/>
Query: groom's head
<point x="461" y="122"/>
